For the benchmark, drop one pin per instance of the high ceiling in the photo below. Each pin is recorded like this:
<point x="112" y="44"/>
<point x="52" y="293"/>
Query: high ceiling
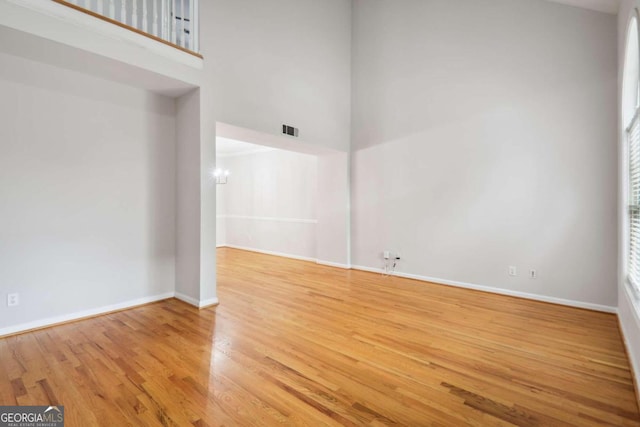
<point x="607" y="6"/>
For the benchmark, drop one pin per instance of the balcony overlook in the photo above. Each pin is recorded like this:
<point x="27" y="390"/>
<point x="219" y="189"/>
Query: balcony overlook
<point x="172" y="22"/>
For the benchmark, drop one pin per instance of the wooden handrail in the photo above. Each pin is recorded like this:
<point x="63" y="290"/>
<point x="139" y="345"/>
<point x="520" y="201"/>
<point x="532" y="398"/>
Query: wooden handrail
<point x="126" y="27"/>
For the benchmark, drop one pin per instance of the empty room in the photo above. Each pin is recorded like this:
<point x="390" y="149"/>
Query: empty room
<point x="319" y="212"/>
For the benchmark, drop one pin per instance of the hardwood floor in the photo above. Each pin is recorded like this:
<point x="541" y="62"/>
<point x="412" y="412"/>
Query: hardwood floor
<point x="295" y="343"/>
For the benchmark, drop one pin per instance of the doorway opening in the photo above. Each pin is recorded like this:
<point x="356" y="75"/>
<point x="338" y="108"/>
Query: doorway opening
<point x="282" y="196"/>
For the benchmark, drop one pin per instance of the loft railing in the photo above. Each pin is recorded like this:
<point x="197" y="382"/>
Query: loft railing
<point x="173" y="21"/>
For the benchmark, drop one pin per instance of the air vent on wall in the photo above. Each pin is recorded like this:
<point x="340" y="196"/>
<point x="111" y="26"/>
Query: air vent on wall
<point x="289" y="130"/>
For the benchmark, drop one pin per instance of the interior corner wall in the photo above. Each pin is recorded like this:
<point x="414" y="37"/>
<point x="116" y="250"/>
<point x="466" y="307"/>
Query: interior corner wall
<point x="282" y="62"/>
<point x="87" y="190"/>
<point x="333" y="229"/>
<point x="484" y="136"/>
<point x="269" y="203"/>
<point x="188" y="203"/>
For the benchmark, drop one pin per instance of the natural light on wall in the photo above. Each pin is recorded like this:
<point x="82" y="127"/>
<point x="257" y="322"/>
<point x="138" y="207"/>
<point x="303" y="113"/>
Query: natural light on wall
<point x="631" y="123"/>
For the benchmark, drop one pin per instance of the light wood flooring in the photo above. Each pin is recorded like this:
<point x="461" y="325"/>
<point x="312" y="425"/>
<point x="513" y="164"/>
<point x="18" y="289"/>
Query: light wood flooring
<point x="295" y="343"/>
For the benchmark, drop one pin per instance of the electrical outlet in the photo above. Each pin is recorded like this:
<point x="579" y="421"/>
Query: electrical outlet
<point x="533" y="274"/>
<point x="386" y="254"/>
<point x="13" y="300"/>
<point x="513" y="271"/>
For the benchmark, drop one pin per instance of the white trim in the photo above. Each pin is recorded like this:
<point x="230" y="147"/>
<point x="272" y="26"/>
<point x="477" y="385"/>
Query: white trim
<point x="52" y="321"/>
<point x="221" y="245"/>
<point x="333" y="264"/>
<point x="261" y="251"/>
<point x="269" y="218"/>
<point x="298" y="257"/>
<point x="626" y="329"/>
<point x="194" y="302"/>
<point x="186" y="298"/>
<point x="209" y="302"/>
<point x="536" y="297"/>
<point x="635" y="311"/>
<point x="247" y="152"/>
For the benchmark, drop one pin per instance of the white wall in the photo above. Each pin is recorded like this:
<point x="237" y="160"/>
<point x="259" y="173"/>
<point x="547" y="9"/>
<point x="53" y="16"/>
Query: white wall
<point x="188" y="196"/>
<point x="334" y="221"/>
<point x="269" y="202"/>
<point x="87" y="191"/>
<point x="208" y="263"/>
<point x="196" y="200"/>
<point x="628" y="307"/>
<point x="467" y="120"/>
<point x="484" y="136"/>
<point x="314" y="94"/>
<point x="282" y="61"/>
<point x="221" y="220"/>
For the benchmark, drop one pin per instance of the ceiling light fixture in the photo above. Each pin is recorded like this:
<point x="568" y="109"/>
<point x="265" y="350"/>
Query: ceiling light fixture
<point x="221" y="175"/>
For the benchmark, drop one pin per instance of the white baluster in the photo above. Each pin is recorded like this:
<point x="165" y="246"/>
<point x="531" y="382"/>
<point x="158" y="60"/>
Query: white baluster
<point x="182" y="23"/>
<point x="112" y="9"/>
<point x="160" y="13"/>
<point x="73" y="1"/>
<point x="190" y="35"/>
<point x="134" y="14"/>
<point x="172" y="21"/>
<point x="123" y="11"/>
<point x="177" y="20"/>
<point x="195" y="25"/>
<point x="145" y="17"/>
<point x="166" y="31"/>
<point x="154" y="26"/>
<point x="100" y="7"/>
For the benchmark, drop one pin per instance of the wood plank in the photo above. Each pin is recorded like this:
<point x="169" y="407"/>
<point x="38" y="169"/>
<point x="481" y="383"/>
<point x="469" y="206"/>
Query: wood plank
<point x="296" y="343"/>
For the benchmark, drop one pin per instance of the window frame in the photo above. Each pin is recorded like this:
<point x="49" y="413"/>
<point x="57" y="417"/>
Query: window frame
<point x="633" y="281"/>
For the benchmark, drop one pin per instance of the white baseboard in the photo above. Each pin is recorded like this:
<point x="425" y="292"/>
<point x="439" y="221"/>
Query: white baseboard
<point x="186" y="298"/>
<point x="51" y="321"/>
<point x="629" y="323"/>
<point x="221" y="245"/>
<point x="209" y="302"/>
<point x="196" y="303"/>
<point x="298" y="257"/>
<point x="536" y="297"/>
<point x="333" y="264"/>
<point x="261" y="251"/>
